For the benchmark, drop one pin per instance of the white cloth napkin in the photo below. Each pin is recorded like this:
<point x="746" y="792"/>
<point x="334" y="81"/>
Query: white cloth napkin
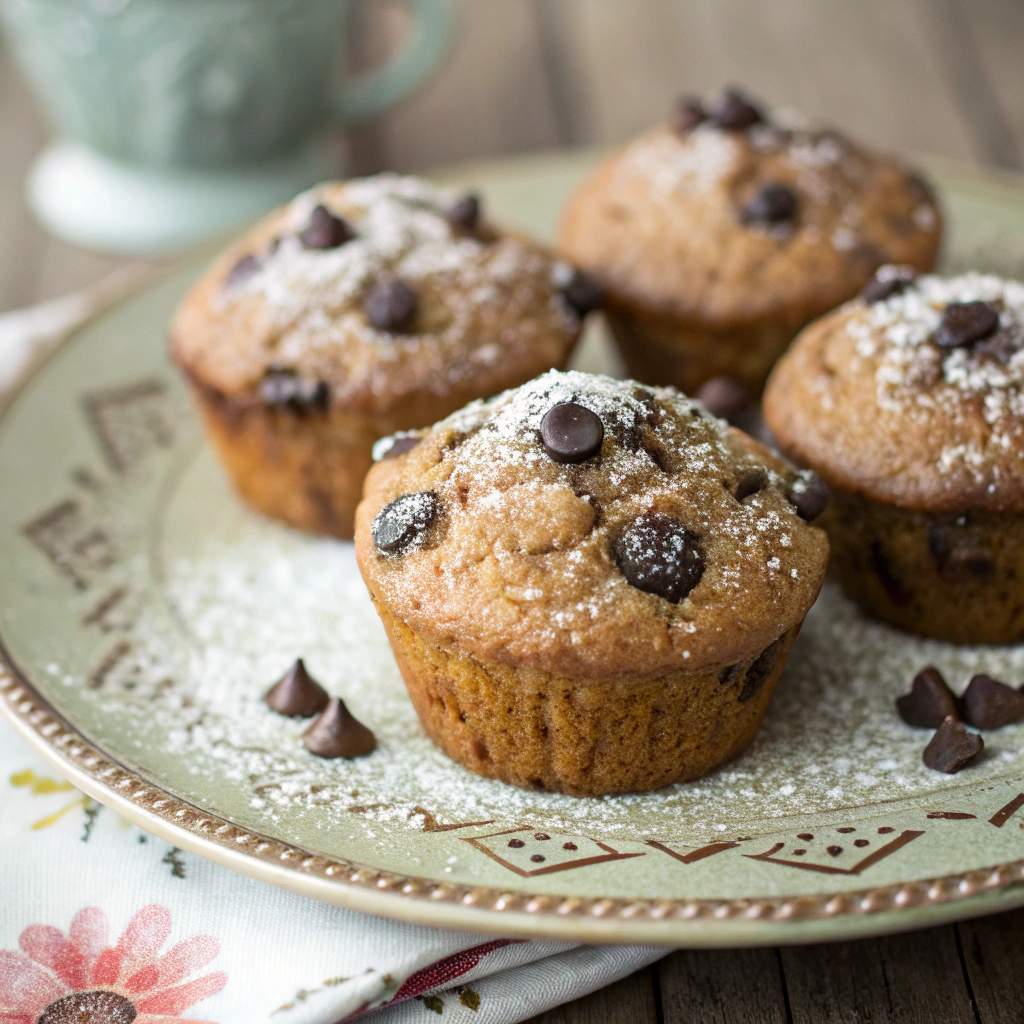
<point x="96" y="915"/>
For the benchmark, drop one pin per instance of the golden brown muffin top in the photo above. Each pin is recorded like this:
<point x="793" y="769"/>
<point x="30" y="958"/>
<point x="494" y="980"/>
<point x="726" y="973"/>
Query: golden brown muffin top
<point x="480" y="537"/>
<point x="379" y="288"/>
<point x="734" y="225"/>
<point x="916" y="399"/>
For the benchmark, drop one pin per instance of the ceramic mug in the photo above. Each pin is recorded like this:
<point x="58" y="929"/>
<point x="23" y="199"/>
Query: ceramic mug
<point x="175" y="118"/>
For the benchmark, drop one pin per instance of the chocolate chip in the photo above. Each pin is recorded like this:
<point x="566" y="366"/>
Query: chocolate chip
<point x="325" y="230"/>
<point x="956" y="557"/>
<point x="887" y="282"/>
<point x="336" y="732"/>
<point x="834" y="851"/>
<point x="885" y="830"/>
<point x="246" y="267"/>
<point x="896" y="590"/>
<point x="582" y="294"/>
<point x="861" y="843"/>
<point x="297" y="693"/>
<point x="758" y="673"/>
<point x="846" y="830"/>
<point x="399" y="446"/>
<point x="391" y="306"/>
<point x="952" y="747"/>
<point x="541" y="835"/>
<point x="806" y="836"/>
<point x="774" y="204"/>
<point x="688" y="113"/>
<point x="734" y="111"/>
<point x="569" y="846"/>
<point x="516" y="844"/>
<point x="964" y="323"/>
<point x="723" y="397"/>
<point x="401" y="523"/>
<point x="752" y="480"/>
<point x="808" y="494"/>
<point x="990" y="704"/>
<point x="571" y="432"/>
<point x="285" y="388"/>
<point x="538" y="858"/>
<point x="729" y="673"/>
<point x="658" y="555"/>
<point x="930" y="701"/>
<point x="464" y="213"/>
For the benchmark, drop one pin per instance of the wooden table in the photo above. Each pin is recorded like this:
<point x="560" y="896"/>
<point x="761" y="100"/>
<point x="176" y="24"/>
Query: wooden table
<point x="944" y="77"/>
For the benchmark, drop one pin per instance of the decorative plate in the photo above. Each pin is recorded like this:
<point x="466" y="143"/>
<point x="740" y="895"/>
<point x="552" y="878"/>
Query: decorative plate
<point x="144" y="612"/>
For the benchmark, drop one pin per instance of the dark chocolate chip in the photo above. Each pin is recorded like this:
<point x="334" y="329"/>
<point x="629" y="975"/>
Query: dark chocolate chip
<point x="538" y="858"/>
<point x="990" y="704"/>
<point x="861" y="843"/>
<point x="464" y="213"/>
<point x="808" y="494"/>
<point x="956" y="557"/>
<point x="895" y="589"/>
<point x="582" y="294"/>
<point x="402" y="522"/>
<point x="964" y="323"/>
<point x="834" y="851"/>
<point x="751" y="481"/>
<point x="930" y="701"/>
<point x="687" y="114"/>
<point x="399" y="446"/>
<point x="952" y="747"/>
<point x="569" y="846"/>
<point x="246" y="267"/>
<point x="846" y="830"/>
<point x="758" y="673"/>
<point x="774" y="204"/>
<point x="729" y="673"/>
<point x="734" y="111"/>
<point x="885" y="830"/>
<point x="325" y="230"/>
<point x="297" y="693"/>
<point x="541" y="835"/>
<point x="336" y="732"/>
<point x="285" y="388"/>
<point x="571" y="432"/>
<point x="723" y="397"/>
<point x="516" y="844"/>
<point x="391" y="306"/>
<point x="658" y="555"/>
<point x="805" y="836"/>
<point x="799" y="853"/>
<point x="888" y="282"/>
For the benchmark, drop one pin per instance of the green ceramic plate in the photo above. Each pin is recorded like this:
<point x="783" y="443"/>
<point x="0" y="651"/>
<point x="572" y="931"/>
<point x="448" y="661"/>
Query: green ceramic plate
<point x="144" y="611"/>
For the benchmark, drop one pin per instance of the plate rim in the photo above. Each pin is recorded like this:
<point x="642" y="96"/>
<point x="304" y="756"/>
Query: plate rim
<point x="677" y="922"/>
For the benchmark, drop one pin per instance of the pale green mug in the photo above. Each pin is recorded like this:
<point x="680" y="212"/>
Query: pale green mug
<point x="177" y="118"/>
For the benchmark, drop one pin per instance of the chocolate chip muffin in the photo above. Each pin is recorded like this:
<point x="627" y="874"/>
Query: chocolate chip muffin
<point x="360" y="309"/>
<point x="910" y="403"/>
<point x="719" y="235"/>
<point x="589" y="586"/>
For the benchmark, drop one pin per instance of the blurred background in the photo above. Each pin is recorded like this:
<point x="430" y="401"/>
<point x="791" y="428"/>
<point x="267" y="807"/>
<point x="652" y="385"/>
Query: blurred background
<point x="941" y="77"/>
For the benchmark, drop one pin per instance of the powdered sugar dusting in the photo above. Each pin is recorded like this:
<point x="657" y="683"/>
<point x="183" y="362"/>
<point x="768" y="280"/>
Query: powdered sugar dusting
<point x="669" y="166"/>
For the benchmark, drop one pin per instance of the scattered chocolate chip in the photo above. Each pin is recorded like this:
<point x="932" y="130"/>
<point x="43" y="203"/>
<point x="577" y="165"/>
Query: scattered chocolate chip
<point x="952" y="747"/>
<point x="799" y="853"/>
<point x="808" y="494"/>
<point x="658" y="555"/>
<point x="402" y="522"/>
<point x="861" y="843"/>
<point x="729" y="673"/>
<point x="687" y="114"/>
<point x="285" y="388"/>
<point x="571" y="432"/>
<point x="734" y="111"/>
<point x="964" y="323"/>
<point x="582" y="294"/>
<point x="805" y="836"/>
<point x="847" y="830"/>
<point x="723" y="397"/>
<point x="297" y="693"/>
<point x="758" y="673"/>
<point x="516" y="844"/>
<point x="336" y="732"/>
<point x="990" y="704"/>
<point x="246" y="267"/>
<point x="325" y="230"/>
<point x="399" y="446"/>
<point x="956" y="557"/>
<point x="541" y="835"/>
<point x="885" y="830"/>
<point x="538" y="858"/>
<point x="887" y="282"/>
<point x="751" y="481"/>
<point x="930" y="701"/>
<point x="464" y="213"/>
<point x="835" y="850"/>
<point x="569" y="846"/>
<point x="895" y="589"/>
<point x="774" y="204"/>
<point x="391" y="306"/>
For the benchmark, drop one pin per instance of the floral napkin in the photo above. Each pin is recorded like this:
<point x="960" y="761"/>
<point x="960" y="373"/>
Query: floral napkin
<point x="101" y="923"/>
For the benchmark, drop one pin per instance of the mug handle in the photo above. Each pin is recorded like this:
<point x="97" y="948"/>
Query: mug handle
<point x="373" y="92"/>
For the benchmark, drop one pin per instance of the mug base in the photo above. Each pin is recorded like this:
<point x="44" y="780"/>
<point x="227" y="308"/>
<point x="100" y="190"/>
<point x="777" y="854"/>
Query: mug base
<point x="98" y="203"/>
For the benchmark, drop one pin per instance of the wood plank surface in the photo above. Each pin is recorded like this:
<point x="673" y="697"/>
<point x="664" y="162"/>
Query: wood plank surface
<point x="936" y="76"/>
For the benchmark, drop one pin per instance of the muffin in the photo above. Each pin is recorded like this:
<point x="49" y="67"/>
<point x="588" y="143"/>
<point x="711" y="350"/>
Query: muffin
<point x="719" y="235"/>
<point x="589" y="586"/>
<point x="909" y="402"/>
<point x="360" y="309"/>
